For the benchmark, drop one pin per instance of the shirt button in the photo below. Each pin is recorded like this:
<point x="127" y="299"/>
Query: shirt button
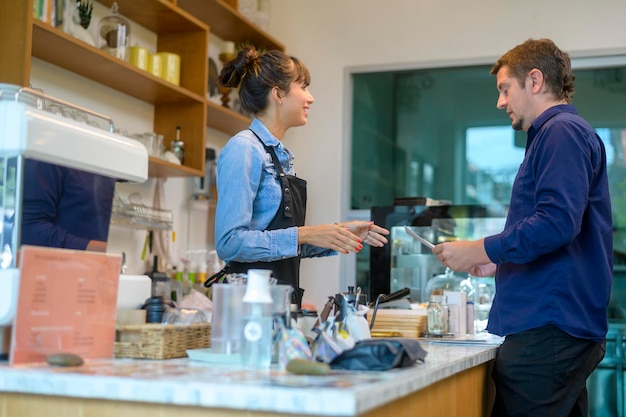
<point x="287" y="208"/>
<point x="286" y="189"/>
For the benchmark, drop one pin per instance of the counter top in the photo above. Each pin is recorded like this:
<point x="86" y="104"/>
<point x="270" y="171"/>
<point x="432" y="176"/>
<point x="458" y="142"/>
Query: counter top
<point x="186" y="382"/>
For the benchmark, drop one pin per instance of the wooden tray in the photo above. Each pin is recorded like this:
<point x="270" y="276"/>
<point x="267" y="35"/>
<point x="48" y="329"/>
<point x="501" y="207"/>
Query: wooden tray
<point x="401" y="323"/>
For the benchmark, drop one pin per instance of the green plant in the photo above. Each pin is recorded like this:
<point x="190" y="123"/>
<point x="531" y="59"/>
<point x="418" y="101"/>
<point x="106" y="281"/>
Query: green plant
<point x="85" y="8"/>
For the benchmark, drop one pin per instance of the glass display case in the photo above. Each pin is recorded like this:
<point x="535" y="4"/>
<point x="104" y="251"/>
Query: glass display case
<point x="407" y="263"/>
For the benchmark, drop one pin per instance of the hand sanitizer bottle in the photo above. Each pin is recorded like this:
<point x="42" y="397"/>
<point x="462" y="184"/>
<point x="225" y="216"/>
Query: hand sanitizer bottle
<point x="257" y="326"/>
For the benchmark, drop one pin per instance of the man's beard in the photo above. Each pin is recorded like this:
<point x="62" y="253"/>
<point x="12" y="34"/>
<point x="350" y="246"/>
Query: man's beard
<point x="517" y="125"/>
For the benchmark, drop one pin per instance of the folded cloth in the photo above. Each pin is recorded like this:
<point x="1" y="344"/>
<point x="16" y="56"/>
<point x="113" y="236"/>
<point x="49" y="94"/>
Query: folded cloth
<point x="380" y="354"/>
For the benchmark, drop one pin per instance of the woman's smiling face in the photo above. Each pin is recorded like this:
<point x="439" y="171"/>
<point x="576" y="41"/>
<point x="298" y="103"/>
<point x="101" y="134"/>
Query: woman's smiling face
<point x="296" y="104"/>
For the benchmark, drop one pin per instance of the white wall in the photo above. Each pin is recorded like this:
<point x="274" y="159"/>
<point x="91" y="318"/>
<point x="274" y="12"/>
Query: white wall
<point x="333" y="36"/>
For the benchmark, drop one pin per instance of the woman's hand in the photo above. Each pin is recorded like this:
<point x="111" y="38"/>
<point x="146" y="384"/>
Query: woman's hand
<point x="330" y="236"/>
<point x="367" y="231"/>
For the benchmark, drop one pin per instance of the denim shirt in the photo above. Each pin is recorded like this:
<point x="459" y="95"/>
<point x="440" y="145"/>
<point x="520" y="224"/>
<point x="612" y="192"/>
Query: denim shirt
<point x="249" y="195"/>
<point x="555" y="254"/>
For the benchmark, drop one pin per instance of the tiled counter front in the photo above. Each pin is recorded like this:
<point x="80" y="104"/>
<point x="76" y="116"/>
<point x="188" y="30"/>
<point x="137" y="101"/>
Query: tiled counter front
<point x="452" y="382"/>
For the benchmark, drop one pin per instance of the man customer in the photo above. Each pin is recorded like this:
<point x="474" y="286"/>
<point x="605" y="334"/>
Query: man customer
<point x="553" y="260"/>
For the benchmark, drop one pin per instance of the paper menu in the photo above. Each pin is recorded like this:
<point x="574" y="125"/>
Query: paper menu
<point x="67" y="303"/>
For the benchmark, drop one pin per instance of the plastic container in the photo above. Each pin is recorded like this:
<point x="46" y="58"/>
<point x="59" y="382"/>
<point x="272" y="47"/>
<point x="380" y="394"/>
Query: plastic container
<point x="226" y="320"/>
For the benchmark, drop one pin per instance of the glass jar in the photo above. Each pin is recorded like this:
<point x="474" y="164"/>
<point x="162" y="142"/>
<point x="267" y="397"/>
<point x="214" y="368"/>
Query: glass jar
<point x="114" y="34"/>
<point x="447" y="281"/>
<point x="438" y="315"/>
<point x="178" y="148"/>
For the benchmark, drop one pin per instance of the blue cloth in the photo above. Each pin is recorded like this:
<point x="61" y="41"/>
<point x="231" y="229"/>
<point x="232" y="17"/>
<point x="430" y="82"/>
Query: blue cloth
<point x="64" y="207"/>
<point x="555" y="254"/>
<point x="249" y="196"/>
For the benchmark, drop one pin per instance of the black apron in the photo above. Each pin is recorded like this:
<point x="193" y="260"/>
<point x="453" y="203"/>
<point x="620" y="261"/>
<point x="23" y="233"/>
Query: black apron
<point x="292" y="212"/>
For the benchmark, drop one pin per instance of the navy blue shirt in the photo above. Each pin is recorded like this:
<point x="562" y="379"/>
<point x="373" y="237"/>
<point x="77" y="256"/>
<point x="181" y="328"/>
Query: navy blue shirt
<point x="554" y="257"/>
<point x="64" y="207"/>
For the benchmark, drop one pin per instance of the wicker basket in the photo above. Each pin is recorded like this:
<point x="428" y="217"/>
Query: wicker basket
<point x="158" y="341"/>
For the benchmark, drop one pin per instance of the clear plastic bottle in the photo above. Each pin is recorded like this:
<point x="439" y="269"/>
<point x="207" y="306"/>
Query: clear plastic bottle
<point x="257" y="341"/>
<point x="438" y="315"/>
<point x="257" y="336"/>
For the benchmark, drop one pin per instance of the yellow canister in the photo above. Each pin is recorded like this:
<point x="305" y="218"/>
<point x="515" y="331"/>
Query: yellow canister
<point x="154" y="64"/>
<point x="138" y="56"/>
<point x="170" y="67"/>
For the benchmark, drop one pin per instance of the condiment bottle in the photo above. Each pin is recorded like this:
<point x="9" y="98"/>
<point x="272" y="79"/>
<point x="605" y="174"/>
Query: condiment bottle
<point x="438" y="315"/>
<point x="178" y="147"/>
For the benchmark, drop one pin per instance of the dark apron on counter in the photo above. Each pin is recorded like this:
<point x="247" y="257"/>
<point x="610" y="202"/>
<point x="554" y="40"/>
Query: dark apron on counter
<point x="292" y="212"/>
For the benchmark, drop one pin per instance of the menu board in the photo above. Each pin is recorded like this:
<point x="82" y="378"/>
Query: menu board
<point x="66" y="304"/>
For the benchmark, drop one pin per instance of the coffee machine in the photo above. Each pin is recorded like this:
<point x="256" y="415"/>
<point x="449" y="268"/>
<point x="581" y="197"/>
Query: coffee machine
<point x="30" y="128"/>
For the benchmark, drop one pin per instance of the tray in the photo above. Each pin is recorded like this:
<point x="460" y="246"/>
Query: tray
<point x="159" y="341"/>
<point x="401" y="323"/>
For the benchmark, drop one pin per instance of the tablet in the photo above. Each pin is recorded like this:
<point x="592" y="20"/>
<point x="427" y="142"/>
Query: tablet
<point x="418" y="237"/>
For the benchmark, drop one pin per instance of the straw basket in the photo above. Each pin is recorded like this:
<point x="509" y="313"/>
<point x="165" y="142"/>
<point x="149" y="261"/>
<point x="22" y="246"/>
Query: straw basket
<point x="159" y="341"/>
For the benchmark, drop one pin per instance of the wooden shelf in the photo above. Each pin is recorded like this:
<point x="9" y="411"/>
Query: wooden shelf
<point x="228" y="24"/>
<point x="182" y="27"/>
<point x="161" y="168"/>
<point x="57" y="47"/>
<point x="159" y="16"/>
<point x="225" y="120"/>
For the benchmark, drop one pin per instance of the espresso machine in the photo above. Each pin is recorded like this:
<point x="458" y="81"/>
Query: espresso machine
<point x="40" y="127"/>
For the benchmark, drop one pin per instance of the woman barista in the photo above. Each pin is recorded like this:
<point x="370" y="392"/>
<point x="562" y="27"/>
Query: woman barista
<point x="261" y="207"/>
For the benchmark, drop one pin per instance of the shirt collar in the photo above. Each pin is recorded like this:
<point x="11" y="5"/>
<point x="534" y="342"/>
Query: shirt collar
<point x="266" y="136"/>
<point x="547" y="115"/>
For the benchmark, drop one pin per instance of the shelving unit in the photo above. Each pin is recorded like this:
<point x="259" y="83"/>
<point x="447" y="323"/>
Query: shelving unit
<point x="225" y="22"/>
<point x="182" y="27"/>
<point x="177" y="31"/>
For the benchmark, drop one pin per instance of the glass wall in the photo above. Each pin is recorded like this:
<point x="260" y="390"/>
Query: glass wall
<point x="437" y="133"/>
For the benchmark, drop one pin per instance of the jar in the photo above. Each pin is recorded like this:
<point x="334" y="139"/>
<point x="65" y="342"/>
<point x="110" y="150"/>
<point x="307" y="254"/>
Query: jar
<point x="448" y="281"/>
<point x="438" y="315"/>
<point x="114" y="34"/>
<point x="178" y="148"/>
